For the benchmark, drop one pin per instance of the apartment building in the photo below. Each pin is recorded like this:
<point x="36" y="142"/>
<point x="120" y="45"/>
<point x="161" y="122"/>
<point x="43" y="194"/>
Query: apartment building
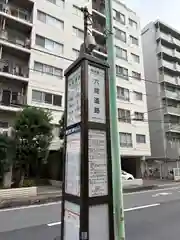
<point x="40" y="39"/>
<point x="131" y="91"/>
<point x="161" y="49"/>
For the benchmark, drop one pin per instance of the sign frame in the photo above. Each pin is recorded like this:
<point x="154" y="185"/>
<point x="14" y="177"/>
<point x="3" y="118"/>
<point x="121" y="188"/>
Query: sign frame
<point x="84" y="201"/>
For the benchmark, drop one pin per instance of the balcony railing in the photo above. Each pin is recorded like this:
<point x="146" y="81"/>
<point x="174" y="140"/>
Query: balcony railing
<point x="174" y="127"/>
<point x="98" y="27"/>
<point x="13" y="68"/>
<point x="101" y="48"/>
<point x="172" y="110"/>
<point x="15" y="12"/>
<point x="15" y="38"/>
<point x="12" y="98"/>
<point x="99" y="7"/>
<point x="173" y="95"/>
<point x="168" y="78"/>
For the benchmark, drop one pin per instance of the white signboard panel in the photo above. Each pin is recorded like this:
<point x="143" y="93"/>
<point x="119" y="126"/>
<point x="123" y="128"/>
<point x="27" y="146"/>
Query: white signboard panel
<point x="74" y="98"/>
<point x="97" y="163"/>
<point x="99" y="222"/>
<point x="71" y="221"/>
<point x="72" y="179"/>
<point x="96" y="94"/>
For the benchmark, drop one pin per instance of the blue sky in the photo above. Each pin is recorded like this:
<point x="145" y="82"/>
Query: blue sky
<point x="150" y="10"/>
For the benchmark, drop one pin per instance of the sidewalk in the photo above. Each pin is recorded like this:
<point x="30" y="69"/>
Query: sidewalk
<point x="45" y="194"/>
<point x="48" y="194"/>
<point x="152" y="184"/>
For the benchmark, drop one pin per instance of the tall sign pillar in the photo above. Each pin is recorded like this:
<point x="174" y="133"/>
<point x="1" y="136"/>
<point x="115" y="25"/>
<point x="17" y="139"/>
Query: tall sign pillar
<point x="87" y="206"/>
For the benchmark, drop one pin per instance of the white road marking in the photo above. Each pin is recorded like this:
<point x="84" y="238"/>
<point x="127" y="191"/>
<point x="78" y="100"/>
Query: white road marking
<point x="31" y="206"/>
<point x="141" y="207"/>
<point x="155" y="190"/>
<point x="162" y="194"/>
<point x="53" y="224"/>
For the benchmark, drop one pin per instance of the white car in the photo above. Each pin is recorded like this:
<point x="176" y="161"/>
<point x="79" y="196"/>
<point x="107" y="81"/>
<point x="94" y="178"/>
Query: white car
<point x="127" y="176"/>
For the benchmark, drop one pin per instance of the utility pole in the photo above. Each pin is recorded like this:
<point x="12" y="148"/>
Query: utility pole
<point x="115" y="145"/>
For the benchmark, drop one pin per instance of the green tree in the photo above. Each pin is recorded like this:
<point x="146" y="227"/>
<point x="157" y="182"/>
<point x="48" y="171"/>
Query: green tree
<point x="33" y="130"/>
<point x="7" y="155"/>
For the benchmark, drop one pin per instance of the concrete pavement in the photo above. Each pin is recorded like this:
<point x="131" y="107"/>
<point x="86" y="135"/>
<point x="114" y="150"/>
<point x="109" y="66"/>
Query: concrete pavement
<point x="149" y="215"/>
<point x="159" y="222"/>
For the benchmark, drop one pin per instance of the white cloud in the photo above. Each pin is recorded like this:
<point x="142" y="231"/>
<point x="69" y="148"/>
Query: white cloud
<point x="150" y="10"/>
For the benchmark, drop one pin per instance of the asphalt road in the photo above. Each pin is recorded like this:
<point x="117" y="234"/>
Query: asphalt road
<point x="149" y="215"/>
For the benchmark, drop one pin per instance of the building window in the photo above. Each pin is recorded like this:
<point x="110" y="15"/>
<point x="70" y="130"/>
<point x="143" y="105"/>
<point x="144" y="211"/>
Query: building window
<point x="75" y="53"/>
<point x="135" y="58"/>
<point x="122" y="72"/>
<point x="125" y="139"/>
<point x="37" y="96"/>
<point x="123" y="93"/>
<point x="47" y="69"/>
<point x="121" y="53"/>
<point x="132" y="23"/>
<point x="50" y="20"/>
<point x="77" y="11"/>
<point x="49" y="44"/>
<point x="120" y="35"/>
<point x="119" y="17"/>
<point x="57" y="100"/>
<point x="138" y="116"/>
<point x="4" y="124"/>
<point x="124" y="115"/>
<point x="59" y="3"/>
<point x="138" y="96"/>
<point x="47" y="98"/>
<point x="136" y="75"/>
<point x="134" y="40"/>
<point x="78" y="33"/>
<point x="140" y="138"/>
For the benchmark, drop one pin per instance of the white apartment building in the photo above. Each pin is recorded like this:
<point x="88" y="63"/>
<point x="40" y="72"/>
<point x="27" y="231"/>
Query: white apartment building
<point x="38" y="41"/>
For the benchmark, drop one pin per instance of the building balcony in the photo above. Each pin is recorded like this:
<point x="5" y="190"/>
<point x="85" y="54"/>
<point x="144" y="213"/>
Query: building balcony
<point x="163" y="49"/>
<point x="177" y="67"/>
<point x="13" y="39"/>
<point x="171" y="95"/>
<point x="99" y="7"/>
<point x="15" y="13"/>
<point x="173" y="127"/>
<point x="169" y="79"/>
<point x="11" y="69"/>
<point x="98" y="28"/>
<point x="167" y="64"/>
<point x="11" y="100"/>
<point x="176" y="41"/>
<point x="164" y="36"/>
<point x="172" y="110"/>
<point x="177" y="54"/>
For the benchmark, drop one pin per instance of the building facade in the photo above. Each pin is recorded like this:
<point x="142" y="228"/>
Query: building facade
<point x="131" y="91"/>
<point x="161" y="49"/>
<point x="40" y="39"/>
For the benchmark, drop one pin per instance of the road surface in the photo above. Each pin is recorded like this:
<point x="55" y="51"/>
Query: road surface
<point x="149" y="215"/>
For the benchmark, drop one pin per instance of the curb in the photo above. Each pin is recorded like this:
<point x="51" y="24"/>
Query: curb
<point x="138" y="189"/>
<point x="27" y="202"/>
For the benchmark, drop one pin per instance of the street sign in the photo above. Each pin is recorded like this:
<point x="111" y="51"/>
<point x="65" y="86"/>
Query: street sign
<point x="87" y="187"/>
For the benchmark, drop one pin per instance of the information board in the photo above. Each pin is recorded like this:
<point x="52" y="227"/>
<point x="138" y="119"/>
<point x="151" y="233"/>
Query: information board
<point x="72" y="179"/>
<point x="74" y="98"/>
<point x="96" y="94"/>
<point x="97" y="163"/>
<point x="71" y="221"/>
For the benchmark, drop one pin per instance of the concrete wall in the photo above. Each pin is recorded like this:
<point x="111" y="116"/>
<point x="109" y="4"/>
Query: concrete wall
<point x="156" y="117"/>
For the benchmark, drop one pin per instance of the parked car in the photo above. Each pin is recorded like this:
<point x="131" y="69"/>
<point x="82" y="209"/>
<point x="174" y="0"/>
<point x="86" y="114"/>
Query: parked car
<point x="127" y="176"/>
